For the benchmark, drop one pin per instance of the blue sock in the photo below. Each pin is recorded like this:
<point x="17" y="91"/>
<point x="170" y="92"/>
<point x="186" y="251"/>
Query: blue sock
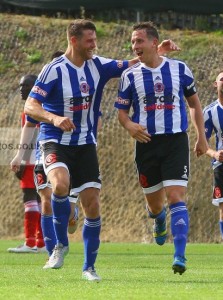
<point x="160" y="218"/>
<point x="91" y="233"/>
<point x="221" y="228"/>
<point x="179" y="227"/>
<point x="48" y="232"/>
<point x="61" y="213"/>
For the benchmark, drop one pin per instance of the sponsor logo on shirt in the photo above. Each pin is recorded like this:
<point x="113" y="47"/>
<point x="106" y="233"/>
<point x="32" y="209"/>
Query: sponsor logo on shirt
<point x="81" y="103"/>
<point x="147" y="99"/>
<point x="80" y="107"/>
<point x="122" y="101"/>
<point x="36" y="89"/>
<point x="119" y="64"/>
<point x="159" y="106"/>
<point x="164" y="102"/>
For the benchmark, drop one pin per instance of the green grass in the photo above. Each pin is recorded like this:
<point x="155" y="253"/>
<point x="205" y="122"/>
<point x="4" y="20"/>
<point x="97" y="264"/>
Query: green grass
<point x="129" y="271"/>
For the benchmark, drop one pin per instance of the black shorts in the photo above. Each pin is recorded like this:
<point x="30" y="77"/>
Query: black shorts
<point x="40" y="177"/>
<point x="81" y="161"/>
<point x="30" y="194"/>
<point x="218" y="185"/>
<point x="163" y="162"/>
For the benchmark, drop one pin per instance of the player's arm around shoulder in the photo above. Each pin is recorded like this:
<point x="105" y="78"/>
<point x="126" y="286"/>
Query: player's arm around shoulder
<point x="197" y="119"/>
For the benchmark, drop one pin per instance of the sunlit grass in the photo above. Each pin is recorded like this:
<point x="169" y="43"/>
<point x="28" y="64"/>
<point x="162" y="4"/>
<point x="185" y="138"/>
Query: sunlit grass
<point x="129" y="271"/>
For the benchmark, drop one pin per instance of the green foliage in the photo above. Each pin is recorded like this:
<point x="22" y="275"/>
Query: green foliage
<point x="127" y="46"/>
<point x="33" y="55"/>
<point x="128" y="271"/>
<point x="218" y="33"/>
<point x="101" y="31"/>
<point x="21" y="33"/>
<point x="5" y="64"/>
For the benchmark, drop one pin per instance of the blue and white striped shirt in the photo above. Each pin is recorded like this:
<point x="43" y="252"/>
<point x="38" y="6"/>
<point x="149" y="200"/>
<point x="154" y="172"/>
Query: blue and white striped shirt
<point x="213" y="120"/>
<point x="75" y="92"/>
<point x="157" y="95"/>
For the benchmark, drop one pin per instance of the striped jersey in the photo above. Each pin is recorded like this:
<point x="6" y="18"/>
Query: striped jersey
<point x="213" y="119"/>
<point x="157" y="95"/>
<point x="75" y="92"/>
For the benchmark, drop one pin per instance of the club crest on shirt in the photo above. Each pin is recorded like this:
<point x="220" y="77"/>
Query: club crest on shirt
<point x="84" y="88"/>
<point x="120" y="64"/>
<point x="159" y="87"/>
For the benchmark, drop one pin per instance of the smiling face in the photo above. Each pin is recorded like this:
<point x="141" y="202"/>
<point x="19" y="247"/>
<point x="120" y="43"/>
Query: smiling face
<point x="86" y="44"/>
<point x="143" y="46"/>
<point x="219" y="84"/>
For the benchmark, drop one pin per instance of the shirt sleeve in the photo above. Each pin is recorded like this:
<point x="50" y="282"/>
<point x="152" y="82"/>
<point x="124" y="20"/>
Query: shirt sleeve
<point x="124" y="99"/>
<point x="44" y="83"/>
<point x="31" y="120"/>
<point x="188" y="83"/>
<point x="208" y="124"/>
<point x="111" y="68"/>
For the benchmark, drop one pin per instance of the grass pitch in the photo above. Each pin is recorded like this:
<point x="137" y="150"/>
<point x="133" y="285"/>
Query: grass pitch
<point x="128" y="271"/>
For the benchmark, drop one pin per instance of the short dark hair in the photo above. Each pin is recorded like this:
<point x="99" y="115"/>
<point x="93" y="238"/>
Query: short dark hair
<point x="57" y="54"/>
<point x="29" y="78"/>
<point x="76" y="27"/>
<point x="150" y="28"/>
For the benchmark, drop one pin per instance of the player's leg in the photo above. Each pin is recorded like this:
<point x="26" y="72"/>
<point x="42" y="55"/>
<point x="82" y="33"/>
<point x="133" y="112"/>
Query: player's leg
<point x="44" y="189"/>
<point x="39" y="233"/>
<point x="74" y="212"/>
<point x="179" y="225"/>
<point x="218" y="194"/>
<point x="91" y="231"/>
<point x="58" y="175"/>
<point x="221" y="219"/>
<point x="148" y="166"/>
<point x="157" y="211"/>
<point x="175" y="172"/>
<point x="86" y="181"/>
<point x="31" y="218"/>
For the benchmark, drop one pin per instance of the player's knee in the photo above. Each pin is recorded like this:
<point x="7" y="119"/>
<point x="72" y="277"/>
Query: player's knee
<point x="60" y="188"/>
<point x="175" y="195"/>
<point x="92" y="208"/>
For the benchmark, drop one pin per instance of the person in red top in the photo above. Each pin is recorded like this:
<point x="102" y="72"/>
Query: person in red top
<point x="32" y="227"/>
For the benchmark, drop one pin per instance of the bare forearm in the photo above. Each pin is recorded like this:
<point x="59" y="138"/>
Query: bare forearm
<point x="211" y="152"/>
<point x="123" y="118"/>
<point x="198" y="121"/>
<point x="36" y="112"/>
<point x="196" y="115"/>
<point x="26" y="138"/>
